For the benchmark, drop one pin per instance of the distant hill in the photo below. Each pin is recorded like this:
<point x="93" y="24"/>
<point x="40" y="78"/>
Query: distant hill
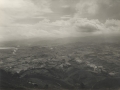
<point x="60" y="41"/>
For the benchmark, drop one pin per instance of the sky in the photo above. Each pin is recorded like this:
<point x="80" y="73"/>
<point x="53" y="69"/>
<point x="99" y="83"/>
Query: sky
<point x="24" y="19"/>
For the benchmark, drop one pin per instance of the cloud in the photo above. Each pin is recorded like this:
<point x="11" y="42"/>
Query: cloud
<point x="87" y="26"/>
<point x="98" y="9"/>
<point x="43" y="29"/>
<point x="11" y="10"/>
<point x="113" y="26"/>
<point x="112" y="23"/>
<point x="61" y="23"/>
<point x="86" y="21"/>
<point x="65" y="6"/>
<point x="11" y="4"/>
<point x="85" y="6"/>
<point x="5" y="19"/>
<point x="74" y="27"/>
<point x="66" y="17"/>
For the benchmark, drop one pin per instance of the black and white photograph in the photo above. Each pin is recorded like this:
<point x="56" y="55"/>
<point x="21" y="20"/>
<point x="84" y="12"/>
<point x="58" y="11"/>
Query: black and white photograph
<point x="59" y="44"/>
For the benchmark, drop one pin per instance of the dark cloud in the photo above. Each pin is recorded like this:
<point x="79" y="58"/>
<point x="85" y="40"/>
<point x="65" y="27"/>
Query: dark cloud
<point x="86" y="25"/>
<point x="87" y="28"/>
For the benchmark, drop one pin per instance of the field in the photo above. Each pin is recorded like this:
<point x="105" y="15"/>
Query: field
<point x="74" y="66"/>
